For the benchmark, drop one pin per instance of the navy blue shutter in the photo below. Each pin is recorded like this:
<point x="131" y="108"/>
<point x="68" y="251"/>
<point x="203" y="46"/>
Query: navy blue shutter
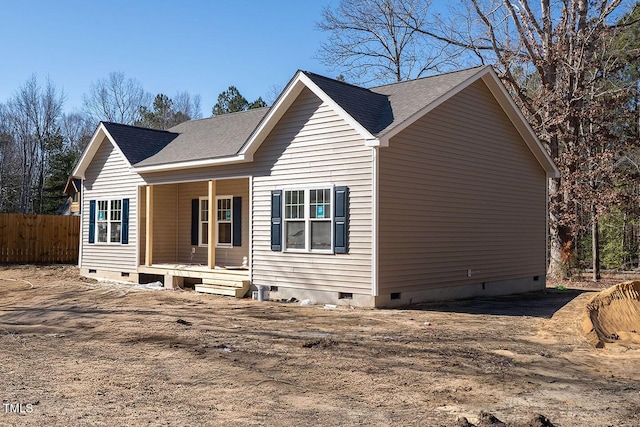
<point x="276" y="220"/>
<point x="236" y="239"/>
<point x="195" y="212"/>
<point x="341" y="220"/>
<point x="92" y="221"/>
<point x="125" y="221"/>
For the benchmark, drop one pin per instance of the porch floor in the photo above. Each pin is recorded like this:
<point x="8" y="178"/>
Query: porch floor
<point x="198" y="271"/>
<point x="220" y="280"/>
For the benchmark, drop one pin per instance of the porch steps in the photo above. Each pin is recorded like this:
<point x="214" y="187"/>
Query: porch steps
<point x="224" y="286"/>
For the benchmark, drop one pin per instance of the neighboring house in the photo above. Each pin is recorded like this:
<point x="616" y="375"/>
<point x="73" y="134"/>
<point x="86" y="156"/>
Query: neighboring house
<point x="72" y="190"/>
<point x="428" y="189"/>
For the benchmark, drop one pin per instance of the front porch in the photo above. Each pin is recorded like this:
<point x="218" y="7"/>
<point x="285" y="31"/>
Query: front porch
<point x="197" y="230"/>
<point x="219" y="281"/>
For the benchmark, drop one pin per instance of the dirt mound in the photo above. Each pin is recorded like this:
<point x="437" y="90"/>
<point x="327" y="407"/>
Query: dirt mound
<point x="613" y="315"/>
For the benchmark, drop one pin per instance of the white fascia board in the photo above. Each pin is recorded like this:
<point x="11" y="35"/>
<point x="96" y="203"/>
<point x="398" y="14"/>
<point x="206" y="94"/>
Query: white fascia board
<point x="384" y="139"/>
<point x="286" y="99"/>
<point x="92" y="148"/>
<point x="375" y="142"/>
<point x="193" y="164"/>
<point x="523" y="127"/>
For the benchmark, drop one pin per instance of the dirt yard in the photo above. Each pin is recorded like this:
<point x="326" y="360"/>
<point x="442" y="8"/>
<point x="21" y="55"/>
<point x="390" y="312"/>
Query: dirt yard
<point x="77" y="352"/>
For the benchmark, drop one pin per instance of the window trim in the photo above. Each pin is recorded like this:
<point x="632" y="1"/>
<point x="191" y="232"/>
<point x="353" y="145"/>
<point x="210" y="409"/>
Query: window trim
<point x="217" y="222"/>
<point x="307" y="218"/>
<point x="108" y="221"/>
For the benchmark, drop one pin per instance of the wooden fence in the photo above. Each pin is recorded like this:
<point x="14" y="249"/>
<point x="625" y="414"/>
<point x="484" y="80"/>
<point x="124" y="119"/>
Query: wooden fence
<point x="39" y="238"/>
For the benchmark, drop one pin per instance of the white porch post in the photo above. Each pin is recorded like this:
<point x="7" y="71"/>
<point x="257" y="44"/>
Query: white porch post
<point x="148" y="254"/>
<point x="211" y="247"/>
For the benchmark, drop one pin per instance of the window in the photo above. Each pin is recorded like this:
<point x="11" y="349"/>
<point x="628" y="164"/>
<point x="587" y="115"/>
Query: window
<point x="307" y="219"/>
<point x="108" y="221"/>
<point x="310" y="220"/>
<point x="224" y="219"/>
<point x="294" y="219"/>
<point x="320" y="217"/>
<point x="204" y="222"/>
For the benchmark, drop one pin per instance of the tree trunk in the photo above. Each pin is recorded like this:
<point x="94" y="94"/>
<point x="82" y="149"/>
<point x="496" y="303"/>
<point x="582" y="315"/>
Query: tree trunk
<point x="595" y="244"/>
<point x="560" y="250"/>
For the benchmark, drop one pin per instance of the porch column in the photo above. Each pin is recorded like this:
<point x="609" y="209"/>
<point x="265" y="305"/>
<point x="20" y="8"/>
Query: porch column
<point x="211" y="247"/>
<point x="148" y="254"/>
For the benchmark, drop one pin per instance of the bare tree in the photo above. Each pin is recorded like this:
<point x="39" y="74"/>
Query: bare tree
<point x="33" y="114"/>
<point x="188" y="104"/>
<point x="561" y="61"/>
<point x="116" y="99"/>
<point x="568" y="49"/>
<point x="76" y="130"/>
<point x="370" y="42"/>
<point x="273" y="93"/>
<point x="9" y="184"/>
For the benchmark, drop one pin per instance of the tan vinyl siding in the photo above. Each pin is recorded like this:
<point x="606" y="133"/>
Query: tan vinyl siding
<point x="232" y="256"/>
<point x="165" y="219"/>
<point x="186" y="193"/>
<point x="312" y="145"/>
<point x="108" y="177"/>
<point x="459" y="191"/>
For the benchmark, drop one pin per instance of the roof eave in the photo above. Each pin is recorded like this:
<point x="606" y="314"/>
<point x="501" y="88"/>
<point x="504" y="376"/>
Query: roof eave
<point x="191" y="164"/>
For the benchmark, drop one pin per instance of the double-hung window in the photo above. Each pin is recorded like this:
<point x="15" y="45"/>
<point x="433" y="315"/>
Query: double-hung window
<point x="108" y="221"/>
<point x="315" y="219"/>
<point x="224" y="215"/>
<point x="307" y="219"/>
<point x="224" y="219"/>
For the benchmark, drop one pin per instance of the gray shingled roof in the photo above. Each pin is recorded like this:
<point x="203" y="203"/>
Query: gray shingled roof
<point x="378" y="110"/>
<point x="138" y="143"/>
<point x="220" y="136"/>
<point x="408" y="98"/>
<point x="372" y="110"/>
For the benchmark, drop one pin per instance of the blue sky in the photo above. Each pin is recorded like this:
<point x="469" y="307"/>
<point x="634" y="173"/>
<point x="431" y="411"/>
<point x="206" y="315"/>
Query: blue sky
<point x="199" y="46"/>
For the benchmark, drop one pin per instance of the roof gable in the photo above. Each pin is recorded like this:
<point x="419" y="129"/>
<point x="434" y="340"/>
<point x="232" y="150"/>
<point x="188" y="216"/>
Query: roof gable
<point x="138" y="143"/>
<point x="318" y="85"/>
<point x="72" y="186"/>
<point x="412" y="99"/>
<point x="372" y="110"/>
<point x="131" y="142"/>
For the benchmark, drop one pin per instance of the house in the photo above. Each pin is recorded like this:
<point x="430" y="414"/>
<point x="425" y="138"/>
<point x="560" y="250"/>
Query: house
<point x="72" y="190"/>
<point x="429" y="189"/>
